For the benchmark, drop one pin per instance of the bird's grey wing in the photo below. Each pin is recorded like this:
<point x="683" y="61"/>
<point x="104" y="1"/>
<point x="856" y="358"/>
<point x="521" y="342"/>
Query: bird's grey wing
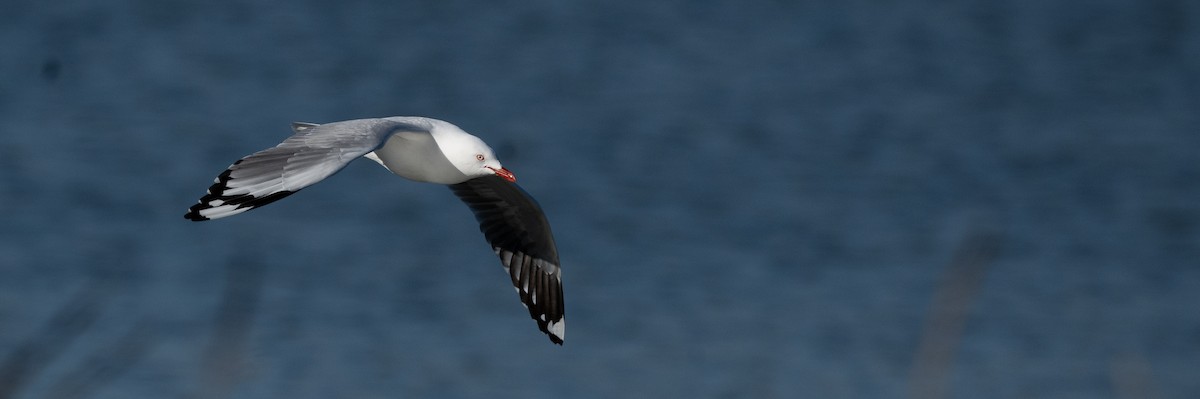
<point x="514" y="225"/>
<point x="302" y="126"/>
<point x="313" y="153"/>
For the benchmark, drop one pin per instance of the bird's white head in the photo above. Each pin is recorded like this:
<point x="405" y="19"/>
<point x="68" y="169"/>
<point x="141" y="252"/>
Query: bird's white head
<point x="469" y="154"/>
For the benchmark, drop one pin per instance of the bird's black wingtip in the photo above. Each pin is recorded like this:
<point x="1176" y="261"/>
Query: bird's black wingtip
<point x="195" y="217"/>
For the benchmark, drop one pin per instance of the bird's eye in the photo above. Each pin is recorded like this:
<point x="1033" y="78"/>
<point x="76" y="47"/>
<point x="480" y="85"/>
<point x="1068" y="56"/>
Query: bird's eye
<point x="479" y="156"/>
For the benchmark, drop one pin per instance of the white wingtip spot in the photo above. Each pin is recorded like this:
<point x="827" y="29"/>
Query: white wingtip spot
<point x="558" y="329"/>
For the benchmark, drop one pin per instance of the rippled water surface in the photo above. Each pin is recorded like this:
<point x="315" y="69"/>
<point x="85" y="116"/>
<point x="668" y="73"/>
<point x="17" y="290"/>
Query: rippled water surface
<point x="764" y="199"/>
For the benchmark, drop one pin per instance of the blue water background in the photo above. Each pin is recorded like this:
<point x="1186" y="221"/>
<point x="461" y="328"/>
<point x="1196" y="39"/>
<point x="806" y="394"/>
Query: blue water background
<point x="751" y="199"/>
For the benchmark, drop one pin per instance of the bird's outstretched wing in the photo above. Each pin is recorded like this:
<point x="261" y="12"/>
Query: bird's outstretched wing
<point x="310" y="155"/>
<point x="513" y="223"/>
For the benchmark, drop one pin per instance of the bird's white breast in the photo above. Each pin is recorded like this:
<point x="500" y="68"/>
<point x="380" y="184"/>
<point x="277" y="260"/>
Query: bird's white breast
<point x="416" y="156"/>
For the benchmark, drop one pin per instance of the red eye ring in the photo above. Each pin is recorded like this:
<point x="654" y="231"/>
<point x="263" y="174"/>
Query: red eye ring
<point x="479" y="156"/>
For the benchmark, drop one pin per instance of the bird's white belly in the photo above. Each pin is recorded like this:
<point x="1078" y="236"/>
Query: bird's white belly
<point x="416" y="156"/>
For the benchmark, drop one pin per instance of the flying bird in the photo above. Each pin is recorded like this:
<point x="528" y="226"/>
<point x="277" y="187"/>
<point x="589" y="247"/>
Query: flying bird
<point x="419" y="149"/>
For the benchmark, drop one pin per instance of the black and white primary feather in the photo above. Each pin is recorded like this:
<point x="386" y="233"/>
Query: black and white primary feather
<point x="420" y="149"/>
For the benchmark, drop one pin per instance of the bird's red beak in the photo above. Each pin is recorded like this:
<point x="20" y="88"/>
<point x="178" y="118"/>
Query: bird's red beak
<point x="505" y="174"/>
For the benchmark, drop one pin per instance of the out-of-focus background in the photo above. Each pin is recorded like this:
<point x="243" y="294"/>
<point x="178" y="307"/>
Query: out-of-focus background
<point x="752" y="199"/>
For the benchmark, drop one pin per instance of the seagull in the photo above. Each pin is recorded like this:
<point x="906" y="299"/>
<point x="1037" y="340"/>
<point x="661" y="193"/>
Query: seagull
<point x="420" y="149"/>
